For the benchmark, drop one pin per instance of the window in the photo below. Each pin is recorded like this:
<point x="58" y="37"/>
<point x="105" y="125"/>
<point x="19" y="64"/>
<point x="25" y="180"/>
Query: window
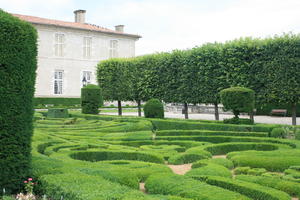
<point x="59" y="44"/>
<point x="87" y="47"/>
<point x="58" y="81"/>
<point x="86" y="77"/>
<point x="113" y="50"/>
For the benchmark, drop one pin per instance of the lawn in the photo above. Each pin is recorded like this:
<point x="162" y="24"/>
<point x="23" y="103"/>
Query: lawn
<point x="95" y="157"/>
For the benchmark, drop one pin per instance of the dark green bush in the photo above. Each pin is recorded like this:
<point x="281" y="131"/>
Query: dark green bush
<point x="236" y="120"/>
<point x="209" y="132"/>
<point x="154" y="109"/>
<point x="238" y="99"/>
<point x="277" y="133"/>
<point x="57" y="113"/>
<point x="91" y="98"/>
<point x="18" y="51"/>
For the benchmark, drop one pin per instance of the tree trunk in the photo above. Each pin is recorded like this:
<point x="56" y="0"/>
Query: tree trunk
<point x="251" y="114"/>
<point x="120" y="108"/>
<point x="186" y="111"/>
<point x="217" y="117"/>
<point x="139" y="108"/>
<point x="294" y="114"/>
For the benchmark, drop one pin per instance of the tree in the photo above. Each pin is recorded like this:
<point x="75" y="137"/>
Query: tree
<point x="114" y="80"/>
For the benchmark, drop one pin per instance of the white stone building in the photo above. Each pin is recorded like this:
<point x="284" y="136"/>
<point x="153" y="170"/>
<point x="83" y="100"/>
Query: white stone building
<point x="68" y="52"/>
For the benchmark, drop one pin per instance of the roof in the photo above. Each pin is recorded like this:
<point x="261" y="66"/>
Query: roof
<point x="75" y="25"/>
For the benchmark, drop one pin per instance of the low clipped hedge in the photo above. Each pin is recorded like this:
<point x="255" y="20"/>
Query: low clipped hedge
<point x="208" y="132"/>
<point x="166" y="124"/>
<point x="209" y="169"/>
<point x="218" y="161"/>
<point x="289" y="187"/>
<point x="222" y="139"/>
<point x="170" y="184"/>
<point x="191" y="155"/>
<point x="116" y="155"/>
<point x="251" y="190"/>
<point x="224" y="148"/>
<point x="42" y="101"/>
<point x="250" y="171"/>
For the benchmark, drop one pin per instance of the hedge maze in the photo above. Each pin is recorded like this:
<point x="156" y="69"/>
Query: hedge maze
<point x="94" y="157"/>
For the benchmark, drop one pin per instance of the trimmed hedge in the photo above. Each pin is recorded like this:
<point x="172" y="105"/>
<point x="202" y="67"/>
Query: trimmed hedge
<point x="116" y="155"/>
<point x="289" y="187"/>
<point x="91" y="98"/>
<point x="208" y="132"/>
<point x="209" y="169"/>
<point x="218" y="161"/>
<point x="56" y="101"/>
<point x="253" y="191"/>
<point x="154" y="109"/>
<point x="170" y="184"/>
<point x="18" y="63"/>
<point x="191" y="155"/>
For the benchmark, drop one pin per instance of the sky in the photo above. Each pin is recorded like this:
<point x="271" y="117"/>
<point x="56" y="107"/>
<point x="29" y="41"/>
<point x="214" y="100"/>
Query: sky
<point x="166" y="25"/>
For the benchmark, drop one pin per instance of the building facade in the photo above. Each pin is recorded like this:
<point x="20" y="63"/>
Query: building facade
<point x="68" y="53"/>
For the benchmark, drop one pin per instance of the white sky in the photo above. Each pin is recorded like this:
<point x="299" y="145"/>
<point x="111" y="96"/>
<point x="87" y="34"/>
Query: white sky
<point x="173" y="24"/>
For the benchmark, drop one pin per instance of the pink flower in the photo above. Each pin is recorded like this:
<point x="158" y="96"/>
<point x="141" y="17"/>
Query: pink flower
<point x="29" y="179"/>
<point x="25" y="182"/>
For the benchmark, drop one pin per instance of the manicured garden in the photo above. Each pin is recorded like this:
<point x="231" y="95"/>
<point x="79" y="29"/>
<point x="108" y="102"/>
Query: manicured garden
<point x="89" y="157"/>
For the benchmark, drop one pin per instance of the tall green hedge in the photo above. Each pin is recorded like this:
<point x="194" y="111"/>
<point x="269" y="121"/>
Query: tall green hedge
<point x="270" y="67"/>
<point x="18" y="51"/>
<point x="91" y="98"/>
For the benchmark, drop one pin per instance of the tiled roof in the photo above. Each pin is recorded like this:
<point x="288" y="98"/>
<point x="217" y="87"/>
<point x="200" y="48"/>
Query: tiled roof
<point x="85" y="26"/>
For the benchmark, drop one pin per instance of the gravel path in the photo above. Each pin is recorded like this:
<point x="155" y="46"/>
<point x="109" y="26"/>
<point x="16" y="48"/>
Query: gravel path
<point x="181" y="169"/>
<point x="258" y="119"/>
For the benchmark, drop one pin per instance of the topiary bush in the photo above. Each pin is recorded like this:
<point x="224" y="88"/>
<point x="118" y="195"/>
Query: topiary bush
<point x="18" y="51"/>
<point x="278" y="133"/>
<point x="57" y="113"/>
<point x="91" y="98"/>
<point x="238" y="99"/>
<point x="154" y="109"/>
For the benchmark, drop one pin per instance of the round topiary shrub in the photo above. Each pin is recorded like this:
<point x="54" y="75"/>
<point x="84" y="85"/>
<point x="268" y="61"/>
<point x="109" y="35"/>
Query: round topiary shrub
<point x="18" y="51"/>
<point x="91" y="99"/>
<point x="278" y="133"/>
<point x="154" y="109"/>
<point x="238" y="99"/>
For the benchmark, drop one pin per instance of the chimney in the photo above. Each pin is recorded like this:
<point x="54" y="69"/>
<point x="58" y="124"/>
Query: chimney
<point x="79" y="16"/>
<point x="119" y="28"/>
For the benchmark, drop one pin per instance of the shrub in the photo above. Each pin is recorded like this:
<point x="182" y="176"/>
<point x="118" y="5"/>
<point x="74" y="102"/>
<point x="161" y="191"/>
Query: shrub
<point x="170" y="184"/>
<point x="254" y="191"/>
<point x="218" y="161"/>
<point x="238" y="99"/>
<point x="209" y="170"/>
<point x="56" y="101"/>
<point x="277" y="133"/>
<point x="236" y="120"/>
<point x="250" y="171"/>
<point x="289" y="187"/>
<point x="154" y="109"/>
<point x="18" y="51"/>
<point x="57" y="113"/>
<point x="91" y="98"/>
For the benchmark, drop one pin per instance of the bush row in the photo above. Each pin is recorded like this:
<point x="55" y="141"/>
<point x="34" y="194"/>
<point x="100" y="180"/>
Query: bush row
<point x="116" y="155"/>
<point x="218" y="161"/>
<point x="187" y="187"/>
<point x="208" y="132"/>
<point x="289" y="187"/>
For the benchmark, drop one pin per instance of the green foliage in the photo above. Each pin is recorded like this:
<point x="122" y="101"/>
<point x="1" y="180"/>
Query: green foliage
<point x="57" y="113"/>
<point x="238" y="100"/>
<point x="278" y="133"/>
<point x="154" y="109"/>
<point x="42" y="101"/>
<point x="236" y="120"/>
<point x="209" y="169"/>
<point x="18" y="51"/>
<point x="250" y="171"/>
<point x="187" y="187"/>
<point x="251" y="190"/>
<point x="91" y="98"/>
<point x="291" y="188"/>
<point x="218" y="161"/>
